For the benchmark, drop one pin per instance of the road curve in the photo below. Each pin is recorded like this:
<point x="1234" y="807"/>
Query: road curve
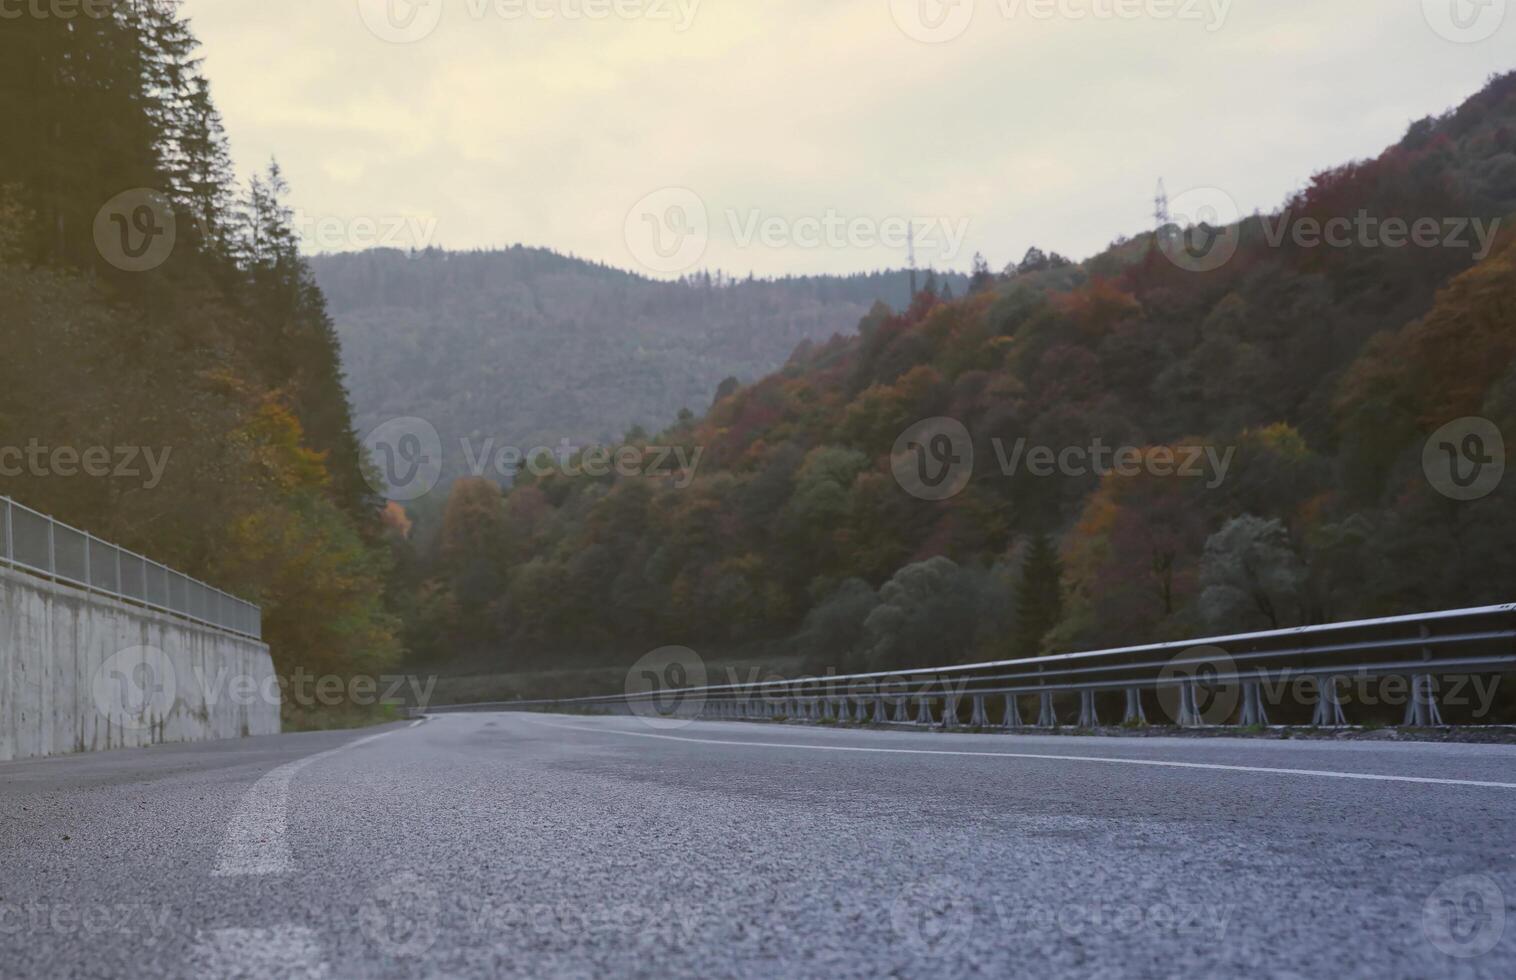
<point x="557" y="846"/>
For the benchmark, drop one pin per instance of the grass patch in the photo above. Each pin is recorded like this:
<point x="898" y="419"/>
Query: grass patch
<point x="323" y="719"/>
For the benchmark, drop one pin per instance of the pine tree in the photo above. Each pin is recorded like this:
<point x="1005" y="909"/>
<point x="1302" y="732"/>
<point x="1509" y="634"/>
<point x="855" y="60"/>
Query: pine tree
<point x="81" y="123"/>
<point x="296" y="347"/>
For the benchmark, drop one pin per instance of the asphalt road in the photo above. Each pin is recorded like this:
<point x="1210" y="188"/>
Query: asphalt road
<point x="554" y="846"/>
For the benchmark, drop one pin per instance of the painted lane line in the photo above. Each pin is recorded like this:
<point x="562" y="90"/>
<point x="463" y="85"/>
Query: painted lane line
<point x="255" y="842"/>
<point x="285" y="951"/>
<point x="1162" y="763"/>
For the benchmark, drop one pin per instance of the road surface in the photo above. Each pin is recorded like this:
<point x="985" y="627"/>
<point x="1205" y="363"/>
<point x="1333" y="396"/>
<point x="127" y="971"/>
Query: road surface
<point x="556" y="846"/>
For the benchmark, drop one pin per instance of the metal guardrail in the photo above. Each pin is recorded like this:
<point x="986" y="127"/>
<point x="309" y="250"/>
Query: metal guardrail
<point x="1422" y="648"/>
<point x="37" y="543"/>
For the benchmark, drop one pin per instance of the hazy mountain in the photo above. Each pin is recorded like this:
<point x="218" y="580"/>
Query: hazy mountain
<point x="530" y="347"/>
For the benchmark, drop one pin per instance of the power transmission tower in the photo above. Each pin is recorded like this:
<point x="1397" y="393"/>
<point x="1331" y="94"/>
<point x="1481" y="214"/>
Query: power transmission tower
<point x="910" y="251"/>
<point x="1161" y="212"/>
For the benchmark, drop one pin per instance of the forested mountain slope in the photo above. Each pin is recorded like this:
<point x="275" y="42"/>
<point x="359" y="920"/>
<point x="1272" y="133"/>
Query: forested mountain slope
<point x="529" y="347"/>
<point x="152" y="306"/>
<point x="1315" y="374"/>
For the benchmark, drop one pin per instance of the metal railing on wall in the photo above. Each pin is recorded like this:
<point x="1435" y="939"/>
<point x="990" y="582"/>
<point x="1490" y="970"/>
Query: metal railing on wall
<point x="1301" y="668"/>
<point x="36" y="543"/>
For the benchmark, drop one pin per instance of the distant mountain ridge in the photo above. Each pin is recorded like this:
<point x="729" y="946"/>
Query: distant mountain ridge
<point x="530" y="347"/>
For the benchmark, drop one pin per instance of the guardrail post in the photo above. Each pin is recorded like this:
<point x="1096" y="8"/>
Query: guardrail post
<point x="902" y="711"/>
<point x="1089" y="717"/>
<point x="845" y="711"/>
<point x="1013" y="713"/>
<point x="979" y="718"/>
<point x="881" y="710"/>
<point x="949" y="711"/>
<point x="1422" y="711"/>
<point x="1047" y="717"/>
<point x="1328" y="706"/>
<point x="1189" y="708"/>
<point x="1134" y="712"/>
<point x="1253" y="712"/>
<point x="924" y="712"/>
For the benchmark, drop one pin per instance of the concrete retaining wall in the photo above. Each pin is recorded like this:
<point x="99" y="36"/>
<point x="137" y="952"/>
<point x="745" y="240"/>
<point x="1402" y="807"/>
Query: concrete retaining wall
<point x="81" y="672"/>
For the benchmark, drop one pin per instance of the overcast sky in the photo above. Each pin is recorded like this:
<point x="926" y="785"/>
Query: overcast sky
<point x="796" y="136"/>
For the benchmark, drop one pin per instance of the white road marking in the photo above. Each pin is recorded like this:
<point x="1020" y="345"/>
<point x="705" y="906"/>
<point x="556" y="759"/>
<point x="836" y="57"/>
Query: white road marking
<point x="1267" y="770"/>
<point x="286" y="951"/>
<point x="255" y="842"/>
